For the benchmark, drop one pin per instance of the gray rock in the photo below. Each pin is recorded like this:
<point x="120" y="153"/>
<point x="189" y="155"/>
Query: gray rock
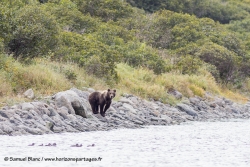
<point x="27" y="106"/>
<point x="3" y="114"/>
<point x="50" y="125"/>
<point x="17" y="117"/>
<point x="194" y="100"/>
<point x="47" y="118"/>
<point x="138" y="122"/>
<point x="166" y="118"/>
<point x="213" y="104"/>
<point x="6" y="113"/>
<point x="79" y="108"/>
<point x="155" y="119"/>
<point x="52" y="111"/>
<point x="129" y="108"/>
<point x="72" y="102"/>
<point x="118" y="116"/>
<point x="63" y="102"/>
<point x="82" y="94"/>
<point x="155" y="113"/>
<point x="17" y="106"/>
<point x="63" y="111"/>
<point x="100" y="118"/>
<point x="71" y="117"/>
<point x="29" y="94"/>
<point x="24" y="114"/>
<point x="134" y="100"/>
<point x="2" y="132"/>
<point x="126" y="100"/>
<point x="220" y="102"/>
<point x="33" y="131"/>
<point x="175" y="93"/>
<point x="227" y="101"/>
<point x="6" y="127"/>
<point x="2" y="119"/>
<point x="59" y="129"/>
<point x="235" y="111"/>
<point x="187" y="109"/>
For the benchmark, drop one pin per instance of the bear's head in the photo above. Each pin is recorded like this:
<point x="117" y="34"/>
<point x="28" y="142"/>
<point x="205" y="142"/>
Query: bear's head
<point x="111" y="93"/>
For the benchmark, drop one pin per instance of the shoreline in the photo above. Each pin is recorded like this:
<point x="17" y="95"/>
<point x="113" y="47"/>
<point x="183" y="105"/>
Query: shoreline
<point x="69" y="111"/>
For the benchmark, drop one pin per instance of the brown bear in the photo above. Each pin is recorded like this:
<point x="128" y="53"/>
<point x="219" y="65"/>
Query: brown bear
<point x="102" y="99"/>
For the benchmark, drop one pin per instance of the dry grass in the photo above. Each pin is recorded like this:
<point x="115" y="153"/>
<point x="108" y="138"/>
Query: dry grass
<point x="46" y="78"/>
<point x="5" y="88"/>
<point x="144" y="83"/>
<point x="235" y="96"/>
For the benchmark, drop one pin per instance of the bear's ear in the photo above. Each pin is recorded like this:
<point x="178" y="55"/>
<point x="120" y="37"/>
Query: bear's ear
<point x="114" y="90"/>
<point x="108" y="90"/>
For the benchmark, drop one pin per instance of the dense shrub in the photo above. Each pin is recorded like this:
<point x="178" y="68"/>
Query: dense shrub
<point x="217" y="10"/>
<point x="99" y="34"/>
<point x="70" y="18"/>
<point x="35" y="33"/>
<point x="224" y="60"/>
<point x="1" y="46"/>
<point x="105" y="9"/>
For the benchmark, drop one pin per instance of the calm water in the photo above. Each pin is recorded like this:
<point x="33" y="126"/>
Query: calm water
<point x="193" y="144"/>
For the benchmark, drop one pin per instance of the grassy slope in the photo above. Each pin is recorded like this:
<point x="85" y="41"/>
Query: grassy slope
<point x="46" y="78"/>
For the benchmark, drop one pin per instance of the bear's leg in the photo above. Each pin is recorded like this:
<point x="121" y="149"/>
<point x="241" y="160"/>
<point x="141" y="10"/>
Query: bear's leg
<point x="101" y="110"/>
<point x="93" y="106"/>
<point x="97" y="109"/>
<point x="106" y="108"/>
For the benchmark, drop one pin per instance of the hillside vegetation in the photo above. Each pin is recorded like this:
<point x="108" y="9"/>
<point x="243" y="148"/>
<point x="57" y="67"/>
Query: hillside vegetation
<point x="137" y="46"/>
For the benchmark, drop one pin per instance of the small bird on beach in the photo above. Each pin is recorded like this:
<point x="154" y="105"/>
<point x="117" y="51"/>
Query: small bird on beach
<point x="40" y="145"/>
<point x="48" y="144"/>
<point x="76" y="145"/>
<point x="92" y="145"/>
<point x="31" y="144"/>
<point x="54" y="144"/>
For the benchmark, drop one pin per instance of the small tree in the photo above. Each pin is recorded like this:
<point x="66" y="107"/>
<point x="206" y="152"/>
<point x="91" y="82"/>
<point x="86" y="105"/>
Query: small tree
<point x="225" y="61"/>
<point x="105" y="9"/>
<point x="35" y="33"/>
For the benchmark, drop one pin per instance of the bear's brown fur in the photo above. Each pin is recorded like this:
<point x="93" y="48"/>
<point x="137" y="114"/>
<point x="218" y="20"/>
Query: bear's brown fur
<point x="102" y="99"/>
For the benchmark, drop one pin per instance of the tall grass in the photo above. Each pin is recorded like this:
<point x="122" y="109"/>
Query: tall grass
<point x="47" y="77"/>
<point x="144" y="83"/>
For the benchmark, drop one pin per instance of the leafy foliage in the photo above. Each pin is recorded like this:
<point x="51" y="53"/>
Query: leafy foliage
<point x="218" y="10"/>
<point x="105" y="9"/>
<point x="188" y="37"/>
<point x="34" y="34"/>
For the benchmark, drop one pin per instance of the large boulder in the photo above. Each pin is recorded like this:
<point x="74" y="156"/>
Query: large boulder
<point x="72" y="102"/>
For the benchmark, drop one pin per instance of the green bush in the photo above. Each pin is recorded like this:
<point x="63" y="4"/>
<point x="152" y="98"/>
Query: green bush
<point x="105" y="9"/>
<point x="70" y="18"/>
<point x="35" y="33"/>
<point x="6" y="22"/>
<point x="218" y="10"/>
<point x="96" y="57"/>
<point x="225" y="61"/>
<point x="189" y="64"/>
<point x="140" y="55"/>
<point x="1" y="45"/>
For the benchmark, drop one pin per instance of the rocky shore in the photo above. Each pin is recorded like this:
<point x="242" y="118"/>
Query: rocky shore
<point x="69" y="111"/>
